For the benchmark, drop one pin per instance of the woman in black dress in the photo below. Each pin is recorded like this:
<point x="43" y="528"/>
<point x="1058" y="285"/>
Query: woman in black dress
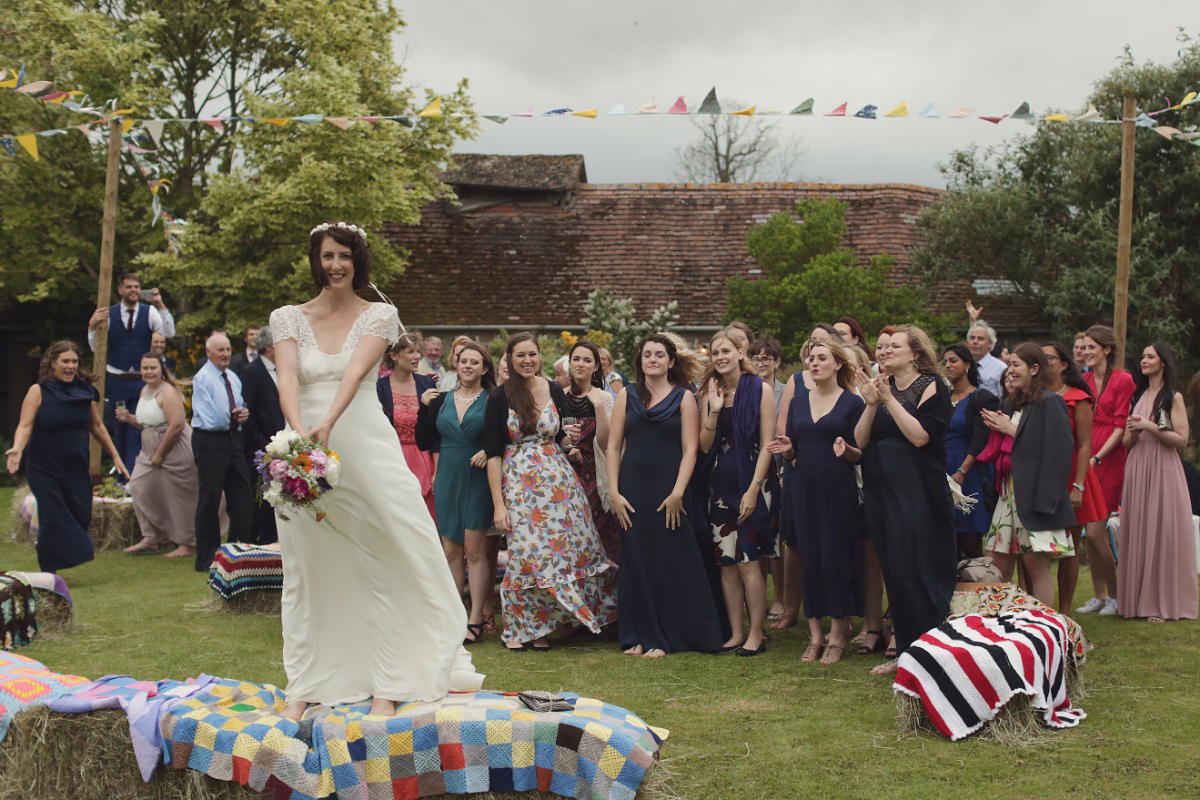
<point x="57" y="415"/>
<point x="906" y="497"/>
<point x="823" y="493"/>
<point x="664" y="602"/>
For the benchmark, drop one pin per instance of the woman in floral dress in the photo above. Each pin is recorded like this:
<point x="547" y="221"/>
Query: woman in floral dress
<point x="557" y="574"/>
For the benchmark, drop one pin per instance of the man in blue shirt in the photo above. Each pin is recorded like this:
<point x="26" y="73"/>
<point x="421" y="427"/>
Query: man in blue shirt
<point x="217" y="415"/>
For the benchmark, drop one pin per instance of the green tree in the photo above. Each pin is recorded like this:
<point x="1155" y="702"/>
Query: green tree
<point x="616" y="318"/>
<point x="808" y="277"/>
<point x="1040" y="213"/>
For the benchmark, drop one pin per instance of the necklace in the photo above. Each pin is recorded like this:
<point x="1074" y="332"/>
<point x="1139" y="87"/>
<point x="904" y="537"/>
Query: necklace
<point x="464" y="400"/>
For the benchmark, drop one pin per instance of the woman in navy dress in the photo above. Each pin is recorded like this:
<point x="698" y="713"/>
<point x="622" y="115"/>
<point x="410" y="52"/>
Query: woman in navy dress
<point x="965" y="440"/>
<point x="823" y="493"/>
<point x="58" y="414"/>
<point x="664" y="601"/>
<point x="737" y="422"/>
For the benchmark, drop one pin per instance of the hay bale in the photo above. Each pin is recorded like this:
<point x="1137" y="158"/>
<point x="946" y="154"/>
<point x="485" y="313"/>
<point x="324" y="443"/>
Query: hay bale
<point x="90" y="757"/>
<point x="53" y="612"/>
<point x="114" y="525"/>
<point x="17" y="524"/>
<point x="265" y="601"/>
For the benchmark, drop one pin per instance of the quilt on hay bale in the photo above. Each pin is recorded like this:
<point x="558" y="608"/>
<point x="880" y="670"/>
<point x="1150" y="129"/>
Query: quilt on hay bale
<point x="239" y="568"/>
<point x="25" y="683"/>
<point x="966" y="669"/>
<point x="466" y="742"/>
<point x="18" y="611"/>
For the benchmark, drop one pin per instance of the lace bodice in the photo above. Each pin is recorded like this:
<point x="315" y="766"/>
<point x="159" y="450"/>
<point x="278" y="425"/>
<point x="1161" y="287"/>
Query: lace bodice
<point x="315" y="366"/>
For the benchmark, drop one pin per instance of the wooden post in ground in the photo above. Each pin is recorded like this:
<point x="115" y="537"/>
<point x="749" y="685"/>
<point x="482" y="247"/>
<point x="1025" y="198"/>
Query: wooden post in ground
<point x="104" y="285"/>
<point x="1124" y="228"/>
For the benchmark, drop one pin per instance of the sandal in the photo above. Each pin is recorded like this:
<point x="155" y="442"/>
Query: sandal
<point x="865" y="649"/>
<point x="891" y="652"/>
<point x="489" y="623"/>
<point x="476" y="631"/>
<point x="811" y="652"/>
<point x="833" y="654"/>
<point x="784" y="622"/>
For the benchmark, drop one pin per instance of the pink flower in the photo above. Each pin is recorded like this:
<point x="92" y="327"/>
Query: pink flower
<point x="317" y="456"/>
<point x="278" y="470"/>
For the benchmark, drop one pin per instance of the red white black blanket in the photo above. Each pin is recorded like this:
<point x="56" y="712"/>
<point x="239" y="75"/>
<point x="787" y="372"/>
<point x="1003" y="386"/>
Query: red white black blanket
<point x="964" y="670"/>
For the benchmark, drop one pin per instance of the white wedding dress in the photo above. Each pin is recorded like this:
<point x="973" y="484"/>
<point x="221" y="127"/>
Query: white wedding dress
<point x="369" y="606"/>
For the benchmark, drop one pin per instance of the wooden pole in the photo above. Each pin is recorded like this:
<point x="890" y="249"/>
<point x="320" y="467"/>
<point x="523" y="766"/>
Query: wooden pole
<point x="104" y="283"/>
<point x="1124" y="227"/>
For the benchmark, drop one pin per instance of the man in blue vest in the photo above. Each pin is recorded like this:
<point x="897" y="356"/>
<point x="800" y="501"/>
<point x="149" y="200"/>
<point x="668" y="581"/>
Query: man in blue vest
<point x="131" y="325"/>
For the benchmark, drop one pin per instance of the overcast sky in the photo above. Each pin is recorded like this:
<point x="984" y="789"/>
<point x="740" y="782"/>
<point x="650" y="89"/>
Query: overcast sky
<point x="570" y="53"/>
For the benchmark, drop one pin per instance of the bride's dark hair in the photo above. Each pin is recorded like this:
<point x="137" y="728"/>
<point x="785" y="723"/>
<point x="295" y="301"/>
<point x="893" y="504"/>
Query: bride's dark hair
<point x="516" y="388"/>
<point x="359" y="254"/>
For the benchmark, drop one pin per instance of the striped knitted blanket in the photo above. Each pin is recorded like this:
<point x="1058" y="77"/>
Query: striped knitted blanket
<point x="464" y="743"/>
<point x="239" y="568"/>
<point x="966" y="669"/>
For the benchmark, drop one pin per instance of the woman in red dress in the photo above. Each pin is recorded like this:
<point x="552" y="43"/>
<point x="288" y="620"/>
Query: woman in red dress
<point x="400" y="395"/>
<point x="1087" y="495"/>
<point x="1113" y="389"/>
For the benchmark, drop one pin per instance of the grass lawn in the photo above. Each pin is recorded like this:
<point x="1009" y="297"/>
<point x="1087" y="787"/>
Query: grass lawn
<point x="766" y="727"/>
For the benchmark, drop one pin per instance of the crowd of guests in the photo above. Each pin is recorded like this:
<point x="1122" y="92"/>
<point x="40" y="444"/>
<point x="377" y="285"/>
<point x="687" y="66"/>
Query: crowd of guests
<point x="665" y="503"/>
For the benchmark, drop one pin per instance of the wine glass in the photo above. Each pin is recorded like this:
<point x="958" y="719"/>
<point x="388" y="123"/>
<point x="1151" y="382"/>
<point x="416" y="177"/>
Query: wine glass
<point x="570" y="422"/>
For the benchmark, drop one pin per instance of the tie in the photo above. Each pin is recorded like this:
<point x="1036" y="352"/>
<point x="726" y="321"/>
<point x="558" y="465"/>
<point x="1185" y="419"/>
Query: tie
<point x="229" y="395"/>
<point x="129" y="326"/>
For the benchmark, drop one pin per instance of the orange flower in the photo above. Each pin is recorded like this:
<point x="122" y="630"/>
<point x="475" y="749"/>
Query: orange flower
<point x="303" y="462"/>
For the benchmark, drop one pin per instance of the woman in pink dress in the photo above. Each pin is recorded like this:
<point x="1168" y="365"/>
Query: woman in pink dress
<point x="1112" y="389"/>
<point x="399" y="394"/>
<point x="1158" y="553"/>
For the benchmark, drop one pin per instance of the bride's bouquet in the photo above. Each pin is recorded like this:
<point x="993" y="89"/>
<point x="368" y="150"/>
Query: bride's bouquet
<point x="294" y="472"/>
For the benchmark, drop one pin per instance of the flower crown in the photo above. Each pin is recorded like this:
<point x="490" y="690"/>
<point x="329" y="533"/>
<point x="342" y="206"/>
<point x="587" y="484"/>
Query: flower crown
<point x="324" y="226"/>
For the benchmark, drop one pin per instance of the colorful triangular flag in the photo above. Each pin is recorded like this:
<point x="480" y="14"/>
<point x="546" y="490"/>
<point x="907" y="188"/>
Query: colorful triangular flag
<point x="127" y="124"/>
<point x="556" y="112"/>
<point x="710" y="104"/>
<point x="340" y="122"/>
<point x="1187" y="100"/>
<point x="899" y="111"/>
<point x="840" y="111"/>
<point x="1144" y="121"/>
<point x="155" y="128"/>
<point x="275" y="120"/>
<point x="961" y="112"/>
<point x="866" y="112"/>
<point x="929" y="113"/>
<point x="1167" y="132"/>
<point x="590" y="113"/>
<point x="1091" y="115"/>
<point x="1022" y="112"/>
<point x="1059" y="117"/>
<point x="804" y="108"/>
<point x="679" y="107"/>
<point x="215" y="124"/>
<point x="6" y="142"/>
<point x="648" y="108"/>
<point x="35" y="87"/>
<point x="618" y="109"/>
<point x="499" y="120"/>
<point x="29" y="142"/>
<point x="995" y="120"/>
<point x="309" y="119"/>
<point x="434" y="109"/>
<point x="745" y="112"/>
<point x="526" y="113"/>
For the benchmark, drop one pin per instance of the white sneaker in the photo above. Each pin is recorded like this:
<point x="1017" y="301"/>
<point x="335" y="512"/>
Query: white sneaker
<point x="1110" y="608"/>
<point x="1091" y="606"/>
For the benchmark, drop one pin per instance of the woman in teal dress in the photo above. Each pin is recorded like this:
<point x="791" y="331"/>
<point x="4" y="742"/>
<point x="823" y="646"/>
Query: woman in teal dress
<point x="451" y="426"/>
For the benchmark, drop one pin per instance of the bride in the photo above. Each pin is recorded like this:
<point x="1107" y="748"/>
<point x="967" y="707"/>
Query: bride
<point x="369" y="608"/>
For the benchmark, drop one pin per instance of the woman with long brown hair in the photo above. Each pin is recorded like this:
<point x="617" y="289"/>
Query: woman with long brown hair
<point x="906" y="497"/>
<point x="1113" y="389"/>
<point x="557" y="574"/>
<point x="737" y="416"/>
<point x="666" y="604"/>
<point x="1063" y="377"/>
<point x="1035" y="507"/>
<point x="591" y="407"/>
<point x="57" y="416"/>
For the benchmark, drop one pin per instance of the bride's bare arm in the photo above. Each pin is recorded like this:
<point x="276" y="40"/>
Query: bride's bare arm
<point x="286" y="353"/>
<point x="367" y="353"/>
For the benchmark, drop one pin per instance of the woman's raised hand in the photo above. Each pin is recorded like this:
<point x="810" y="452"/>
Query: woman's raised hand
<point x="715" y="397"/>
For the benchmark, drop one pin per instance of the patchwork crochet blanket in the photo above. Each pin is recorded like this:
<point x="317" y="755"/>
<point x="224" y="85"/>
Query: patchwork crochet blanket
<point x="18" y="611"/>
<point x="25" y="683"/>
<point x="966" y="669"/>
<point x="467" y="742"/>
<point x="239" y="568"/>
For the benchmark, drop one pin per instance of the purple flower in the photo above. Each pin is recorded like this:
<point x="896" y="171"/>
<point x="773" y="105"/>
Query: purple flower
<point x="278" y="470"/>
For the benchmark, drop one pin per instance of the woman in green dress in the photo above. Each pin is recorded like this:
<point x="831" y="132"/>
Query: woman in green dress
<point x="451" y="426"/>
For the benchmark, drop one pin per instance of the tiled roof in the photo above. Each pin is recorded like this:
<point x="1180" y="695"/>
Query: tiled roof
<point x="513" y="265"/>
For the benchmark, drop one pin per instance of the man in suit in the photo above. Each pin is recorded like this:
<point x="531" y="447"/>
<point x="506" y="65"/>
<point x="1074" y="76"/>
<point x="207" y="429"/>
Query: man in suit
<point x="250" y="354"/>
<point x="218" y="413"/>
<point x="131" y="326"/>
<point x="261" y="393"/>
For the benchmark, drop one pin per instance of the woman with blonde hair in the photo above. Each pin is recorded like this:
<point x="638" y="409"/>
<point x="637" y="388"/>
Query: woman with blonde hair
<point x="737" y="422"/>
<point x="818" y="435"/>
<point x="907" y="501"/>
